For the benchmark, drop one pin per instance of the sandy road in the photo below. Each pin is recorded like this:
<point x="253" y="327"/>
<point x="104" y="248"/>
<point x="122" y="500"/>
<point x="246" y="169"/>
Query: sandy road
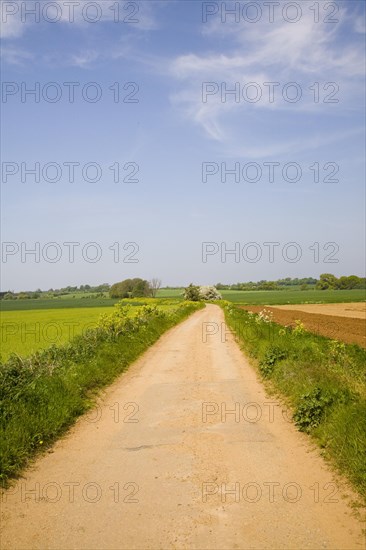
<point x="153" y="474"/>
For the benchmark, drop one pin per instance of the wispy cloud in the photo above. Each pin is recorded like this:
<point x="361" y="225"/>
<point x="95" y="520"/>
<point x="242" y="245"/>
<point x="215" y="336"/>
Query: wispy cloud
<point x="305" y="52"/>
<point x="84" y="59"/>
<point x="289" y="147"/>
<point x="130" y="20"/>
<point x="15" y="56"/>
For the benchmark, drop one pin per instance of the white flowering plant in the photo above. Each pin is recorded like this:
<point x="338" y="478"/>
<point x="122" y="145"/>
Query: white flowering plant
<point x="265" y="315"/>
<point x="209" y="293"/>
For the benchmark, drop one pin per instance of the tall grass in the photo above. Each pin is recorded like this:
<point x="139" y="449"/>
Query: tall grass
<point x="42" y="395"/>
<point x="322" y="380"/>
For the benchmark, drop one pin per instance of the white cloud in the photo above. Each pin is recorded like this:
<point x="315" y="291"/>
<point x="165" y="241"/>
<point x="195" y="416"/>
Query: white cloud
<point x="137" y="13"/>
<point x="11" y="24"/>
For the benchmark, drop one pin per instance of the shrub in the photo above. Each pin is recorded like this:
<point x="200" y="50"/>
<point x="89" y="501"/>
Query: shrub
<point x="209" y="293"/>
<point x="204" y="293"/>
<point x="310" y="411"/>
<point x="192" y="293"/>
<point x="271" y="357"/>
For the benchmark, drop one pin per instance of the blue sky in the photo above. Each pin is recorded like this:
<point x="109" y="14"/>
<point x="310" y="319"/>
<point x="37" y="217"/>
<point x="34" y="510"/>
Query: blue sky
<point x="180" y="67"/>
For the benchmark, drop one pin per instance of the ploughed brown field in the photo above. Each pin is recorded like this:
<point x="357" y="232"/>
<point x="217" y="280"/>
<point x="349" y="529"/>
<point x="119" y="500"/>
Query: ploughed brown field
<point x="346" y="322"/>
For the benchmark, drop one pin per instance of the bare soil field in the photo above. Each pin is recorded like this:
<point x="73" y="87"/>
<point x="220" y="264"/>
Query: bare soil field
<point x="356" y="310"/>
<point x="345" y="322"/>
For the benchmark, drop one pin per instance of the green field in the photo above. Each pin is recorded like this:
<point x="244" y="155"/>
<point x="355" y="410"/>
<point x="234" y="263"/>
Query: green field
<point x="258" y="297"/>
<point x="55" y="303"/>
<point x="24" y="332"/>
<point x="272" y="297"/>
<point x="170" y="293"/>
<point x="287" y="296"/>
<point x="29" y="325"/>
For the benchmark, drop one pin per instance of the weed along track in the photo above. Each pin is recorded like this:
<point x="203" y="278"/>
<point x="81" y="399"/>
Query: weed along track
<point x="185" y="450"/>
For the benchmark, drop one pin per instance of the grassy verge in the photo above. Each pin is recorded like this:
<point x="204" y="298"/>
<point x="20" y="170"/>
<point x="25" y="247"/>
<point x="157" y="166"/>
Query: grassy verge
<point x="42" y="395"/>
<point x="322" y="380"/>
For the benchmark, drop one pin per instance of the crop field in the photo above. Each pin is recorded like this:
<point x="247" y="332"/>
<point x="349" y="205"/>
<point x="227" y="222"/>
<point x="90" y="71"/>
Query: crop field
<point x="258" y="297"/>
<point x="170" y="293"/>
<point x="25" y="332"/>
<point x="30" y="325"/>
<point x="56" y="303"/>
<point x="286" y="296"/>
<point x="277" y="297"/>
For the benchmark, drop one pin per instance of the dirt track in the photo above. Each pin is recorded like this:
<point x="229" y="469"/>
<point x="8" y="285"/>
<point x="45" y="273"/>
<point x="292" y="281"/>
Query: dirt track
<point x="347" y="329"/>
<point x="173" y="462"/>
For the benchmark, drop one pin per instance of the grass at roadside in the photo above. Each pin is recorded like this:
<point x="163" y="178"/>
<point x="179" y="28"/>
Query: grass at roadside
<point x="42" y="395"/>
<point x="322" y="380"/>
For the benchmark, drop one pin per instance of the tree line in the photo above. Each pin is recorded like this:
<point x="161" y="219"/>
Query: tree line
<point x="326" y="281"/>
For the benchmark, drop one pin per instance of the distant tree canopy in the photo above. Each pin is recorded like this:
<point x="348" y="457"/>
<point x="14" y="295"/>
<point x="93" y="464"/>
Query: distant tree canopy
<point x="327" y="281"/>
<point x="279" y="284"/>
<point x="130" y="288"/>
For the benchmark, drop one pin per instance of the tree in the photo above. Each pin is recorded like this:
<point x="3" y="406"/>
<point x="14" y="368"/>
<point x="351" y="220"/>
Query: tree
<point x="326" y="281"/>
<point x="154" y="284"/>
<point x="130" y="288"/>
<point x="192" y="293"/>
<point x="121" y="290"/>
<point x="221" y="286"/>
<point x="140" y="288"/>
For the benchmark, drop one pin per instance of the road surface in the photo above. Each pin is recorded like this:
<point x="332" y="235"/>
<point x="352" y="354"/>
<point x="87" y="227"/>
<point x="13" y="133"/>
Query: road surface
<point x="162" y="463"/>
